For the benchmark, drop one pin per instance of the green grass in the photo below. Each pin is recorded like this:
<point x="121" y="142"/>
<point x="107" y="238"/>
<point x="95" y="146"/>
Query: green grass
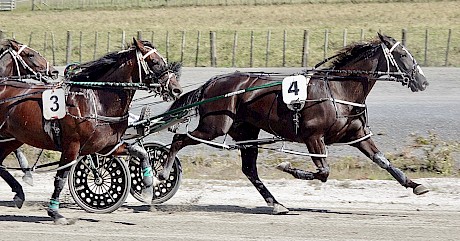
<point x="156" y="23"/>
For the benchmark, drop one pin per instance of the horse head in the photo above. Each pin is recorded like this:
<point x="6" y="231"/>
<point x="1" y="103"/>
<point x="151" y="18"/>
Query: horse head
<point x="161" y="76"/>
<point x="400" y="60"/>
<point x="26" y="61"/>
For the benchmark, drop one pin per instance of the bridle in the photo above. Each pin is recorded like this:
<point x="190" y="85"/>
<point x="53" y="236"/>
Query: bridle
<point x="160" y="86"/>
<point x="19" y="61"/>
<point x="391" y="62"/>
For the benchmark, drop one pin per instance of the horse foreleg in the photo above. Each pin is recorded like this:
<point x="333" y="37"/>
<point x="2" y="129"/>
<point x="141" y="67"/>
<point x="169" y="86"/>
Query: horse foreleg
<point x="5" y="149"/>
<point x="179" y="142"/>
<point x="148" y="178"/>
<point x="24" y="164"/>
<point x="19" y="197"/>
<point x="67" y="156"/>
<point x="316" y="147"/>
<point x="370" y="150"/>
<point x="53" y="208"/>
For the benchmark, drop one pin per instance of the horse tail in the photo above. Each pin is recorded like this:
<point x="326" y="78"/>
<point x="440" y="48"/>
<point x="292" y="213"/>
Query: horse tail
<point x="187" y="99"/>
<point x="184" y="100"/>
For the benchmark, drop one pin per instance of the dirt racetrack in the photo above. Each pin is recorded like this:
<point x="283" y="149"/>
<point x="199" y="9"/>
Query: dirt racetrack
<point x="233" y="210"/>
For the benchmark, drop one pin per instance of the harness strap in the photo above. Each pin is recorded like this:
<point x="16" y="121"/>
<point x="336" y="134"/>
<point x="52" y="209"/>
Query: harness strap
<point x="149" y="53"/>
<point x="394" y="46"/>
<point x="21" y="49"/>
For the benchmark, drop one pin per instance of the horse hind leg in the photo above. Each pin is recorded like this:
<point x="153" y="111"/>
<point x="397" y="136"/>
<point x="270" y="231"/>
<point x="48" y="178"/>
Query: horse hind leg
<point x="5" y="149"/>
<point x="249" y="165"/>
<point x="182" y="140"/>
<point x="249" y="168"/>
<point x="148" y="178"/>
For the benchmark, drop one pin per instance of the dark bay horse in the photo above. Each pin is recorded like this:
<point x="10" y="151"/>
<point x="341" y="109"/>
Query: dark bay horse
<point x="18" y="61"/>
<point x="328" y="116"/>
<point x="95" y="113"/>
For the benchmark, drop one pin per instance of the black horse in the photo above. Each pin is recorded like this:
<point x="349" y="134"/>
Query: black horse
<point x="333" y="113"/>
<point x="94" y="112"/>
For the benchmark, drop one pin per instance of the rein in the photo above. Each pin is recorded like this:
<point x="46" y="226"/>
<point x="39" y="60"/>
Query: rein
<point x="140" y="86"/>
<point x="20" y="97"/>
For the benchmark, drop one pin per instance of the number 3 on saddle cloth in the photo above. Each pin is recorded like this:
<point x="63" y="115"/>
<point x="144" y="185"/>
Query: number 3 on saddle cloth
<point x="295" y="95"/>
<point x="53" y="104"/>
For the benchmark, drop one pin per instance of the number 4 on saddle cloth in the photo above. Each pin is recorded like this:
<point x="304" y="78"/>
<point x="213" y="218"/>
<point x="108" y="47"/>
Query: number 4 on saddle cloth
<point x="295" y="95"/>
<point x="295" y="91"/>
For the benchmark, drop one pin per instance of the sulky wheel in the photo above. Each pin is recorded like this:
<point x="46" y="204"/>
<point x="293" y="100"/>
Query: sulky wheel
<point x="165" y="190"/>
<point x="99" y="184"/>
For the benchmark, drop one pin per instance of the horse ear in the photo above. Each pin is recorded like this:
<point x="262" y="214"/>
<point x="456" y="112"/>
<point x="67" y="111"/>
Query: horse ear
<point x="138" y="43"/>
<point x="385" y="39"/>
<point x="14" y="44"/>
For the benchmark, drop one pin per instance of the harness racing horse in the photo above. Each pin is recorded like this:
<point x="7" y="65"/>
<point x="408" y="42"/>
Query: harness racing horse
<point x="334" y="111"/>
<point x="17" y="62"/>
<point x="97" y="99"/>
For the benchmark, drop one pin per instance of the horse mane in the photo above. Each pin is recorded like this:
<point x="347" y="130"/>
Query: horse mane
<point x="354" y="52"/>
<point x="94" y="70"/>
<point x="6" y="43"/>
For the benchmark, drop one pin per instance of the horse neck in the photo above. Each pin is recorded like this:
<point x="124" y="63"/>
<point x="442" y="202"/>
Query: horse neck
<point x="126" y="95"/>
<point x="355" y="89"/>
<point x="116" y="102"/>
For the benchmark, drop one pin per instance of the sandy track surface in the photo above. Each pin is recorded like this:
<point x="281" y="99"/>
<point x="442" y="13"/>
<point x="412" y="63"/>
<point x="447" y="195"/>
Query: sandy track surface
<point x="233" y="210"/>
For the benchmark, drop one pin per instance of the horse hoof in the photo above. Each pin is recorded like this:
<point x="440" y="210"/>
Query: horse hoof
<point x="61" y="221"/>
<point x="151" y="181"/>
<point x="28" y="179"/>
<point x="147" y="195"/>
<point x="283" y="166"/>
<point x="18" y="201"/>
<point x="279" y="209"/>
<point x="156" y="181"/>
<point x="420" y="189"/>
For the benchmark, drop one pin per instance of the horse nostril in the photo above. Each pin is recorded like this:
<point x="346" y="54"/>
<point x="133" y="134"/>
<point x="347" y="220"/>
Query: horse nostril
<point x="177" y="92"/>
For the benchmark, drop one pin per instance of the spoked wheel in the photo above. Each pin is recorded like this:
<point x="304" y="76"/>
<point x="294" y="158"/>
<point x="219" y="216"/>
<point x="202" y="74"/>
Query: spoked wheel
<point x="99" y="184"/>
<point x="158" y="155"/>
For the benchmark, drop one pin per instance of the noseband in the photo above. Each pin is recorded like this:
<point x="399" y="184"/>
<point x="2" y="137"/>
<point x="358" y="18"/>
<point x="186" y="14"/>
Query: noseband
<point x="390" y="60"/>
<point x="16" y="56"/>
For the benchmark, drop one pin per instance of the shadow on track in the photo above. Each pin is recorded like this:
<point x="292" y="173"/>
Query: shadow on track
<point x="247" y="210"/>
